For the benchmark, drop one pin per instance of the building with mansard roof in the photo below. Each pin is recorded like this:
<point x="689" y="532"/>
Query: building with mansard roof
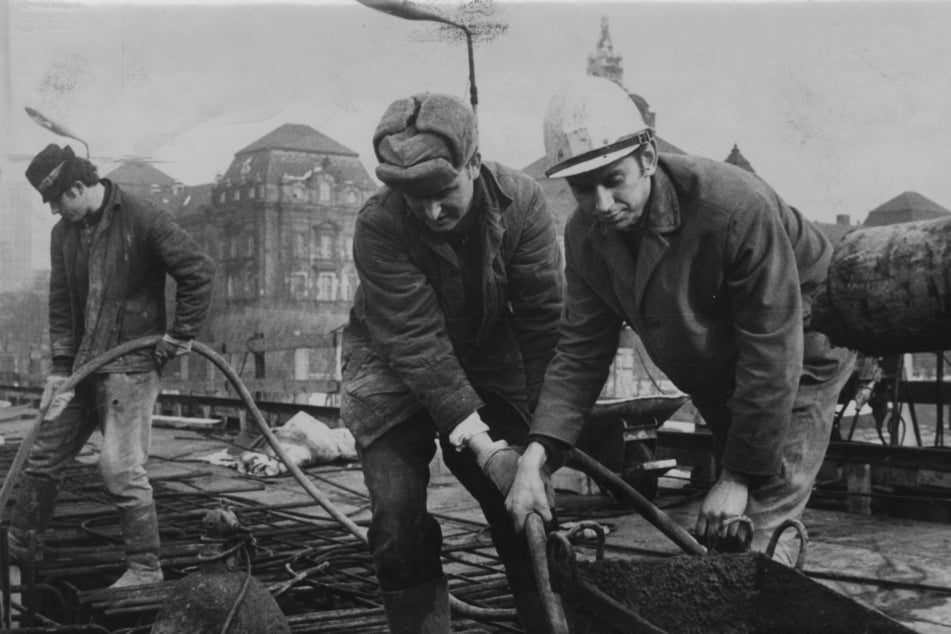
<point x="146" y="181"/>
<point x="736" y="158"/>
<point x="905" y="207"/>
<point x="279" y="223"/>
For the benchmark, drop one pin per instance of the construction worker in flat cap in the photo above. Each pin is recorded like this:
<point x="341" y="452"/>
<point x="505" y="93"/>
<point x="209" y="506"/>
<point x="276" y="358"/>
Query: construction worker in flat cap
<point x="452" y="326"/>
<point x="716" y="274"/>
<point x="110" y="255"/>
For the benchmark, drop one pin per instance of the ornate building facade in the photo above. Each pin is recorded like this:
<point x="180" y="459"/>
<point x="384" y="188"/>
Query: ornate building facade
<point x="279" y="224"/>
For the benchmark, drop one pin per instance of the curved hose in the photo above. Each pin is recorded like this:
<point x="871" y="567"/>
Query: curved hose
<point x="677" y="534"/>
<point x="538" y="550"/>
<point x="84" y="371"/>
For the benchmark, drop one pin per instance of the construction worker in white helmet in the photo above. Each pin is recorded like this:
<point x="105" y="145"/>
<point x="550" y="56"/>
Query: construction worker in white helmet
<point x="716" y="274"/>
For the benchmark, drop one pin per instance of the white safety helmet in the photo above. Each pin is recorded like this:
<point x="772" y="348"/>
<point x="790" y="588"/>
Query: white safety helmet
<point x="590" y="122"/>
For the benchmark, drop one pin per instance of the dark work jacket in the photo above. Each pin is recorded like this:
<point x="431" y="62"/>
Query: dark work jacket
<point x="718" y="286"/>
<point x="402" y="349"/>
<point x="134" y="246"/>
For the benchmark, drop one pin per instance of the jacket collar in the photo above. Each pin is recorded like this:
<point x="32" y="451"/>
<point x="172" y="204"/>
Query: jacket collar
<point x="662" y="214"/>
<point x="661" y="218"/>
<point x="491" y="228"/>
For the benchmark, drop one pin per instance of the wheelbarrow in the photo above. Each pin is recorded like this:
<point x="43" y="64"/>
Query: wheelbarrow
<point x="695" y="593"/>
<point x="621" y="434"/>
<point x="727" y="593"/>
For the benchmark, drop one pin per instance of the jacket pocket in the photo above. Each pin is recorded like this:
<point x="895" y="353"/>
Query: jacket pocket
<point x="373" y="398"/>
<point x="137" y="318"/>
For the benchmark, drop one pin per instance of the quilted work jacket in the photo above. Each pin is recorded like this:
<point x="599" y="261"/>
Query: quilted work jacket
<point x="134" y="246"/>
<point x="402" y="347"/>
<point x="718" y="282"/>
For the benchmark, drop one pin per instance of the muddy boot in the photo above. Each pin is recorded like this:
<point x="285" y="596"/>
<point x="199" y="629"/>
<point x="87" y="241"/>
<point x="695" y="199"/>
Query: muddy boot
<point x="141" y="535"/>
<point x="423" y="609"/>
<point x="35" y="503"/>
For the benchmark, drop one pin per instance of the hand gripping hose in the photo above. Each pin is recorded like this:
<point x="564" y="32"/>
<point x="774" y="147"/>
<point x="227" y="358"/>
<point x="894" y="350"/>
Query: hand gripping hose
<point x="458" y="606"/>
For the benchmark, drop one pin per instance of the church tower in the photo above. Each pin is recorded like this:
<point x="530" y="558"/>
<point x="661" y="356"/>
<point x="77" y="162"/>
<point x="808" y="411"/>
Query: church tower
<point x="604" y="63"/>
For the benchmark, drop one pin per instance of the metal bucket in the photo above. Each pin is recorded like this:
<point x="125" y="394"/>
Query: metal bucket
<point x="741" y="593"/>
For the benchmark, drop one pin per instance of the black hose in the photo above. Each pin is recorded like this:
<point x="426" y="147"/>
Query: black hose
<point x="84" y="371"/>
<point x="585" y="463"/>
<point x="537" y="549"/>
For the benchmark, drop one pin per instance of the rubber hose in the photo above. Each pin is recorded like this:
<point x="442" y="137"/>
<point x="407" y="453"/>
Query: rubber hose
<point x="458" y="606"/>
<point x="648" y="510"/>
<point x="538" y="550"/>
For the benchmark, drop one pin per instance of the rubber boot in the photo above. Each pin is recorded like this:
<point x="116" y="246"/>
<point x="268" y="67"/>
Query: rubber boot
<point x="36" y="501"/>
<point x="141" y="535"/>
<point x="423" y="609"/>
<point x="532" y="613"/>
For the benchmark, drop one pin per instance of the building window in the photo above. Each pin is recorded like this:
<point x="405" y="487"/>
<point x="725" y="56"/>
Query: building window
<point x="348" y="283"/>
<point x="326" y="286"/>
<point x="326" y="246"/>
<point x="237" y="194"/>
<point x="251" y="192"/>
<point x="260" y="190"/>
<point x="230" y="287"/>
<point x="233" y="247"/>
<point x="221" y="197"/>
<point x="250" y="284"/>
<point x="299" y="285"/>
<point x="351" y="197"/>
<point x="250" y="246"/>
<point x="300" y="248"/>
<point x="324" y="189"/>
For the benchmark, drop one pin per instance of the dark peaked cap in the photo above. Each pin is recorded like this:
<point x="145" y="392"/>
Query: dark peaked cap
<point x="423" y="141"/>
<point x="48" y="171"/>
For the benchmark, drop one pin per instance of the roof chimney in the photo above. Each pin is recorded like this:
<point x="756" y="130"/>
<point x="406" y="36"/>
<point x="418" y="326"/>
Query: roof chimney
<point x="843" y="219"/>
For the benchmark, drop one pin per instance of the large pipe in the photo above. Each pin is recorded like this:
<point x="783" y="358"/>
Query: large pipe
<point x="889" y="289"/>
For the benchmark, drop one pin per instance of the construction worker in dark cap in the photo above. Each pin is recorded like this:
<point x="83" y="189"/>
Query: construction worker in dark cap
<point x="453" y="324"/>
<point x="110" y="255"/>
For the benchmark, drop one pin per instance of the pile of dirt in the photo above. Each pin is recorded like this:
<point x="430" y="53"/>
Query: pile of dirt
<point x="726" y="593"/>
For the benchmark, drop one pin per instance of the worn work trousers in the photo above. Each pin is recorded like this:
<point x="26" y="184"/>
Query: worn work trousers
<point x="784" y="496"/>
<point x="120" y="406"/>
<point x="405" y="540"/>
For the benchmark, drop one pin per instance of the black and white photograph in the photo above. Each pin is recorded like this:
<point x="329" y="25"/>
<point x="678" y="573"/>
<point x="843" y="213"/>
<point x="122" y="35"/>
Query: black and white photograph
<point x="445" y="316"/>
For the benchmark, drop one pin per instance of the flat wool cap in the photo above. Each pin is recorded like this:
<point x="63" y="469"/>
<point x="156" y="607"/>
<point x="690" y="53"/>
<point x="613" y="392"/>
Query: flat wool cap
<point x="423" y="141"/>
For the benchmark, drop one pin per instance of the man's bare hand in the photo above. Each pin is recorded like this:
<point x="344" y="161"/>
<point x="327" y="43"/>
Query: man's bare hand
<point x="531" y="490"/>
<point x="727" y="499"/>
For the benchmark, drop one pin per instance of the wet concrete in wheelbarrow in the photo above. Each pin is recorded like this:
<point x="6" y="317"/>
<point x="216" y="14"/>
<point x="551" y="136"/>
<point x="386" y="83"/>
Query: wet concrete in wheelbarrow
<point x="727" y="593"/>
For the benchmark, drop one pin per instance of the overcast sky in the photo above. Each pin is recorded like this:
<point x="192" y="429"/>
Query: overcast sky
<point x="840" y="106"/>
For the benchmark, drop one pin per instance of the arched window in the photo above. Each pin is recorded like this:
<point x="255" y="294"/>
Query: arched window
<point x="324" y="191"/>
